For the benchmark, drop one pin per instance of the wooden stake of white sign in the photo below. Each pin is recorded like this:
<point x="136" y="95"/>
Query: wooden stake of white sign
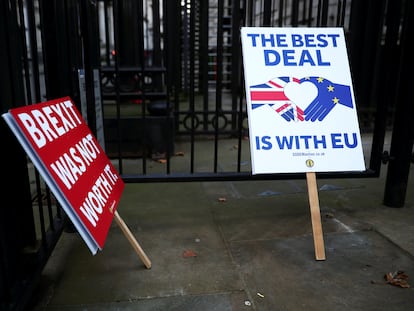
<point x="315" y="216"/>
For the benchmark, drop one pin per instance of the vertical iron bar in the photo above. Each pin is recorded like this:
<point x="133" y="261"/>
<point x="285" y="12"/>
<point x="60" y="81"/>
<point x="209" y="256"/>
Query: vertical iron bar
<point x="403" y="130"/>
<point x="235" y="62"/>
<point x="90" y="52"/>
<point x="172" y="57"/>
<point x="267" y="12"/>
<point x="367" y="21"/>
<point x="14" y="235"/>
<point x="387" y="66"/>
<point x="303" y="10"/>
<point x="310" y="11"/>
<point x="204" y="58"/>
<point x="191" y="75"/>
<point x="106" y="29"/>
<point x="116" y="13"/>
<point x="141" y="57"/>
<point x="343" y="14"/>
<point x="249" y="12"/>
<point x="294" y="13"/>
<point x="240" y="81"/>
<point x="219" y="77"/>
<point x="324" y="13"/>
<point x="280" y="18"/>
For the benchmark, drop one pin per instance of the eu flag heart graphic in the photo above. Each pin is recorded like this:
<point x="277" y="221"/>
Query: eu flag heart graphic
<point x="307" y="99"/>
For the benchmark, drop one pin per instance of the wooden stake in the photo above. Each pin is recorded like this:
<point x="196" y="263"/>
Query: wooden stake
<point x="132" y="240"/>
<point x="315" y="216"/>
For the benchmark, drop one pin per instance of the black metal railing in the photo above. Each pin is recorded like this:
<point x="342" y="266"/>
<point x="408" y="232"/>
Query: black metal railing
<point x="170" y="85"/>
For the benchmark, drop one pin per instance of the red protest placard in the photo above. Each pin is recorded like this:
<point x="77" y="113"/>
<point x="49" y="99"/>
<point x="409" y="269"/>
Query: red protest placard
<point x="72" y="163"/>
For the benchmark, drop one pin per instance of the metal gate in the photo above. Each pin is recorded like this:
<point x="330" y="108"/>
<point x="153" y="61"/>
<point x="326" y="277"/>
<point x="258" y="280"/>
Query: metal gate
<point x="160" y="83"/>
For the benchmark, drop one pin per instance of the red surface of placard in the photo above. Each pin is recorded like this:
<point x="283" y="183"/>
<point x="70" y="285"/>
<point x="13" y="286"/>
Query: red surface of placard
<point x="75" y="162"/>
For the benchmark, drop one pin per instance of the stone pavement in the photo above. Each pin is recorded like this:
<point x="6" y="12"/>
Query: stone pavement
<point x="241" y="246"/>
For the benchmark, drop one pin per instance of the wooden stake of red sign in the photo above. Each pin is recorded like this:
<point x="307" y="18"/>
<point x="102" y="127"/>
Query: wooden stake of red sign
<point x="315" y="216"/>
<point x="132" y="240"/>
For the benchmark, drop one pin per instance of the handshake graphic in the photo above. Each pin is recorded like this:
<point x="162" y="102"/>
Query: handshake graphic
<point x="286" y="94"/>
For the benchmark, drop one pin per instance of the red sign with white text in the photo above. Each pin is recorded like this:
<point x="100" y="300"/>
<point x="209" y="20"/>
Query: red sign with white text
<point x="74" y="161"/>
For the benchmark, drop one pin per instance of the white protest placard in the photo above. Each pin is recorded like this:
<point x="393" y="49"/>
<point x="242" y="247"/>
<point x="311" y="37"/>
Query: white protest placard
<point x="300" y="101"/>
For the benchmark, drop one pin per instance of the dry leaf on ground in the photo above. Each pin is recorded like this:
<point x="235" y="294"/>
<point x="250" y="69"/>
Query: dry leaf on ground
<point x="189" y="253"/>
<point x="397" y="278"/>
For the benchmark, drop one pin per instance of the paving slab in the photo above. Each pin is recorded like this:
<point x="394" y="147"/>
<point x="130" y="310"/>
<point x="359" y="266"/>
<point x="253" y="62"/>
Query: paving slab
<point x="283" y="275"/>
<point x="241" y="246"/>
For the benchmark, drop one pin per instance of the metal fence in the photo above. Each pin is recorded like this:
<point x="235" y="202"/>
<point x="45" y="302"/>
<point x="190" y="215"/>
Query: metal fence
<point x="192" y="88"/>
<point x="161" y="85"/>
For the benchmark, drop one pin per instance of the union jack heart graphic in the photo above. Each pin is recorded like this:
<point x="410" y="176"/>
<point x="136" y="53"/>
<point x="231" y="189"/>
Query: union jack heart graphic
<point x="284" y="96"/>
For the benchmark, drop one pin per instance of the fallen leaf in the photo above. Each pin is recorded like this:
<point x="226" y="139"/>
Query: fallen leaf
<point x="397" y="278"/>
<point x="189" y="253"/>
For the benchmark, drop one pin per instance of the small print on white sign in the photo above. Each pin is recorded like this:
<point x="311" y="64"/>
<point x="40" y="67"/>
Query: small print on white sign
<point x="300" y="101"/>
